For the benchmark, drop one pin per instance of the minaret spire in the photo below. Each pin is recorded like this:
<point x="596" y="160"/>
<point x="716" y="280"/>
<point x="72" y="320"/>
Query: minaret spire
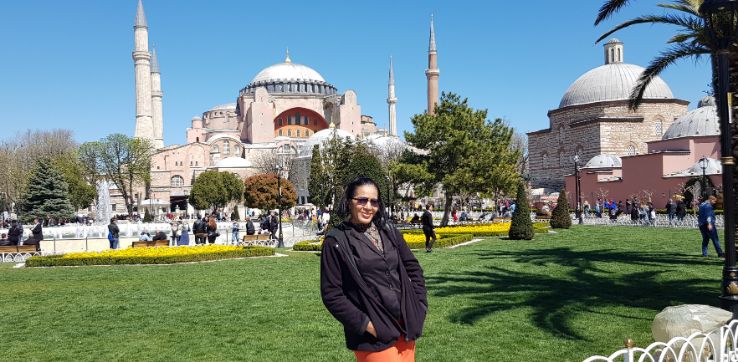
<point x="392" y="101"/>
<point x="142" y="69"/>
<point x="157" y="118"/>
<point x="432" y="72"/>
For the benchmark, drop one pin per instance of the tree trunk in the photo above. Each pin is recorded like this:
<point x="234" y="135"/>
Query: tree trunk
<point x="446" y="208"/>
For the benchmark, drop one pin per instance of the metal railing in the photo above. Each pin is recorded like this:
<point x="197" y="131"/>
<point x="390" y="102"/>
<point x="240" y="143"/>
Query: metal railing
<point x="718" y="345"/>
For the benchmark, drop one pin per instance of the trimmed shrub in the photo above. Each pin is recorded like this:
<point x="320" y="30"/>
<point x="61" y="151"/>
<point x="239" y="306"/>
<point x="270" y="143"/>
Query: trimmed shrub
<point x="442" y="241"/>
<point x="108" y="258"/>
<point x="560" y="218"/>
<point x="308" y="245"/>
<point x="147" y="216"/>
<point x="521" y="227"/>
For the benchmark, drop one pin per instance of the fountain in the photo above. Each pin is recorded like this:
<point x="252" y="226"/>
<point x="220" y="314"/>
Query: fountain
<point x="103" y="211"/>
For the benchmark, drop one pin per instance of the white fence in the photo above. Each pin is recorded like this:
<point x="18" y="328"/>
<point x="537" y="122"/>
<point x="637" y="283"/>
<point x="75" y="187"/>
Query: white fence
<point x="689" y="221"/>
<point x="720" y="345"/>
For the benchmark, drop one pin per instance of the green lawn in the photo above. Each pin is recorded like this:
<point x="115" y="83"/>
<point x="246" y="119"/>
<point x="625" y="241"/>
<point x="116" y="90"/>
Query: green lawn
<point x="560" y="297"/>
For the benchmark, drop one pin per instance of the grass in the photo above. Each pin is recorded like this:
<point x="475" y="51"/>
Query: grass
<point x="560" y="297"/>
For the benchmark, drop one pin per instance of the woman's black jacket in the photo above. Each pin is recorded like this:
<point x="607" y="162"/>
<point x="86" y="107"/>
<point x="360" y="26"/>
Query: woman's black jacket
<point x="354" y="302"/>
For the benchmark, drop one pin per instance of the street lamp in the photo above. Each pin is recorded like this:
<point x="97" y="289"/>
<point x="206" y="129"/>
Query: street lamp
<point x="720" y="20"/>
<point x="703" y="166"/>
<point x="280" y="166"/>
<point x="578" y="190"/>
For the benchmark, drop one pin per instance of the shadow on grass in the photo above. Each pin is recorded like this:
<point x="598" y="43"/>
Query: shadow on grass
<point x="561" y="284"/>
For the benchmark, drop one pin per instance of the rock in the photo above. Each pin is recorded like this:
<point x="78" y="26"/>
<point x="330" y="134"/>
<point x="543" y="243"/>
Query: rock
<point x="683" y="320"/>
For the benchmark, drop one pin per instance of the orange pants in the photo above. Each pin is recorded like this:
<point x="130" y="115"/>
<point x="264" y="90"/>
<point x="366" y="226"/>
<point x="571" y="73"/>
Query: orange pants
<point x="402" y="351"/>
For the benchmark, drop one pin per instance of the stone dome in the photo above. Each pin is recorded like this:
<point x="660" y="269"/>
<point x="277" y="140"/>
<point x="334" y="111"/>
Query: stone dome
<point x="703" y="121"/>
<point x="290" y="78"/>
<point x="318" y="138"/>
<point x="612" y="82"/>
<point x="287" y="71"/>
<point x="604" y="161"/>
<point x="233" y="162"/>
<point x="385" y="142"/>
<point x="224" y="107"/>
<point x="713" y="167"/>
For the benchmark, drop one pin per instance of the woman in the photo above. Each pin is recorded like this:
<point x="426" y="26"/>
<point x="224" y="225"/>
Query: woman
<point x="370" y="281"/>
<point x="184" y="234"/>
<point x="212" y="230"/>
<point x="175" y="233"/>
<point x="113" y="234"/>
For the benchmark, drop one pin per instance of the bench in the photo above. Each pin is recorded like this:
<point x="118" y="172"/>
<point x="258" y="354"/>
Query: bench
<point x="257" y="239"/>
<point x="17" y="253"/>
<point x="149" y="244"/>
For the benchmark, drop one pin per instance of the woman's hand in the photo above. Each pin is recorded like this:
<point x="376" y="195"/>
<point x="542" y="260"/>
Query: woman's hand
<point x="370" y="329"/>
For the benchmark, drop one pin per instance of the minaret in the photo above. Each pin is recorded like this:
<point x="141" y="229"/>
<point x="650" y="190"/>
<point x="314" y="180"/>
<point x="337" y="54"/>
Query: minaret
<point x="156" y="102"/>
<point x="392" y="102"/>
<point x="432" y="72"/>
<point x="142" y="67"/>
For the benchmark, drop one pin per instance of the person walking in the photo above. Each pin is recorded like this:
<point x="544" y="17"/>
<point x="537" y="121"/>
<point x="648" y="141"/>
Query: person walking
<point x="681" y="209"/>
<point x="175" y="233"/>
<point x="212" y="230"/>
<point x="184" y="234"/>
<point x="671" y="210"/>
<point x="234" y="231"/>
<point x="113" y="234"/>
<point x="427" y="221"/>
<point x="706" y="221"/>
<point x="274" y="224"/>
<point x="370" y="281"/>
<point x="15" y="233"/>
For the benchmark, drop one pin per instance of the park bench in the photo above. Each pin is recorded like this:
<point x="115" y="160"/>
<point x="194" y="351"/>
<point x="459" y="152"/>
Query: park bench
<point x="148" y="244"/>
<point x="257" y="239"/>
<point x="17" y="253"/>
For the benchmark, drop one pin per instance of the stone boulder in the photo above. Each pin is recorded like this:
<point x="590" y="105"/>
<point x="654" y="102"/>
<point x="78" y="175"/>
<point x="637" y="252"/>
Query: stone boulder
<point x="684" y="320"/>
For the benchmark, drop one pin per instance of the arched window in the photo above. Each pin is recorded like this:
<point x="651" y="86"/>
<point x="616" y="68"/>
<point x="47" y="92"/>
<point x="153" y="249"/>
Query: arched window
<point x="177" y="181"/>
<point x="236" y="150"/>
<point x="279" y="121"/>
<point x="659" y="128"/>
<point x="226" y="147"/>
<point x="544" y="160"/>
<point x="215" y="149"/>
<point x="298" y="133"/>
<point x="280" y="132"/>
<point x="631" y="150"/>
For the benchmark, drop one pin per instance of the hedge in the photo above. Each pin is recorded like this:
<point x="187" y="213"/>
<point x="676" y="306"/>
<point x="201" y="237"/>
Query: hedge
<point x="443" y="241"/>
<point x="308" y="245"/>
<point x="59" y="260"/>
<point x="538" y="227"/>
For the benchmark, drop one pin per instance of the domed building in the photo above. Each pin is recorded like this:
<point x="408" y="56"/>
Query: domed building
<point x="688" y="149"/>
<point x="593" y="118"/>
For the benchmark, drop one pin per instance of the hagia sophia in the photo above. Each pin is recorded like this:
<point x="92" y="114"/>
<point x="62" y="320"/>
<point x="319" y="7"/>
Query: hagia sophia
<point x="286" y="108"/>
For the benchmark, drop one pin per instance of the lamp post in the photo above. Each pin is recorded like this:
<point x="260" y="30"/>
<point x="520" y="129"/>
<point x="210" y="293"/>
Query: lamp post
<point x="720" y="20"/>
<point x="703" y="166"/>
<point x="578" y="190"/>
<point x="280" y="166"/>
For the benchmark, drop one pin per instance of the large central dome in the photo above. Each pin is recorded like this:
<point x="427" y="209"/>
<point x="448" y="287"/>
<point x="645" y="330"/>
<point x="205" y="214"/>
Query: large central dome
<point x="612" y="82"/>
<point x="288" y="71"/>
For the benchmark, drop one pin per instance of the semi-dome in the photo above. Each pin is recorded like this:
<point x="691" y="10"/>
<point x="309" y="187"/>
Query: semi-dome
<point x="233" y="162"/>
<point x="604" y="161"/>
<point x="612" y="82"/>
<point x="703" y="121"/>
<point x="318" y="138"/>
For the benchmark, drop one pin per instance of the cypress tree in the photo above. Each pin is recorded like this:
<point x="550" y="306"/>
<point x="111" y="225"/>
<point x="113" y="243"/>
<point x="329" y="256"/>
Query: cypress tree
<point x="521" y="227"/>
<point x="147" y="216"/>
<point x="47" y="195"/>
<point x="560" y="218"/>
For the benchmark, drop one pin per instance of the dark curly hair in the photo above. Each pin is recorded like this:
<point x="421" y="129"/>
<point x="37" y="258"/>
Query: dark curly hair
<point x="344" y="207"/>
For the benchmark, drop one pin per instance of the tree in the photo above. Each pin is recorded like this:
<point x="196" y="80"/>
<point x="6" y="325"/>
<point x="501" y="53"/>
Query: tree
<point x="462" y="151"/>
<point x="560" y="218"/>
<point x="319" y="186"/>
<point x="147" y="216"/>
<point x="521" y="227"/>
<point x="81" y="192"/>
<point x="124" y="161"/>
<point x="46" y="195"/>
<point x="213" y="189"/>
<point x="235" y="215"/>
<point x="361" y="163"/>
<point x="261" y="192"/>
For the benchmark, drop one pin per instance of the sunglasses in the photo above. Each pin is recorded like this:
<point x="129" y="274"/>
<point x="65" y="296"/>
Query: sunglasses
<point x="361" y="201"/>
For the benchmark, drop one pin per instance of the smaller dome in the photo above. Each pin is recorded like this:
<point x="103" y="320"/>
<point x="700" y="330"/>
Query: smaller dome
<point x="318" y="138"/>
<point x="604" y="161"/>
<point x="385" y="142"/>
<point x="224" y="107"/>
<point x="713" y="167"/>
<point x="233" y="162"/>
<point x="707" y="101"/>
<point x="703" y="121"/>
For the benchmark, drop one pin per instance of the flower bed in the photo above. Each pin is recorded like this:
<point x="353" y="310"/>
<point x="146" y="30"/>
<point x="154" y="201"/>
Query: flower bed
<point x="493" y="229"/>
<point x="161" y="255"/>
<point x="414" y="241"/>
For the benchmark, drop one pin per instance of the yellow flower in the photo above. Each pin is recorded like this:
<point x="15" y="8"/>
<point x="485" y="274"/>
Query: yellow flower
<point x="154" y="252"/>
